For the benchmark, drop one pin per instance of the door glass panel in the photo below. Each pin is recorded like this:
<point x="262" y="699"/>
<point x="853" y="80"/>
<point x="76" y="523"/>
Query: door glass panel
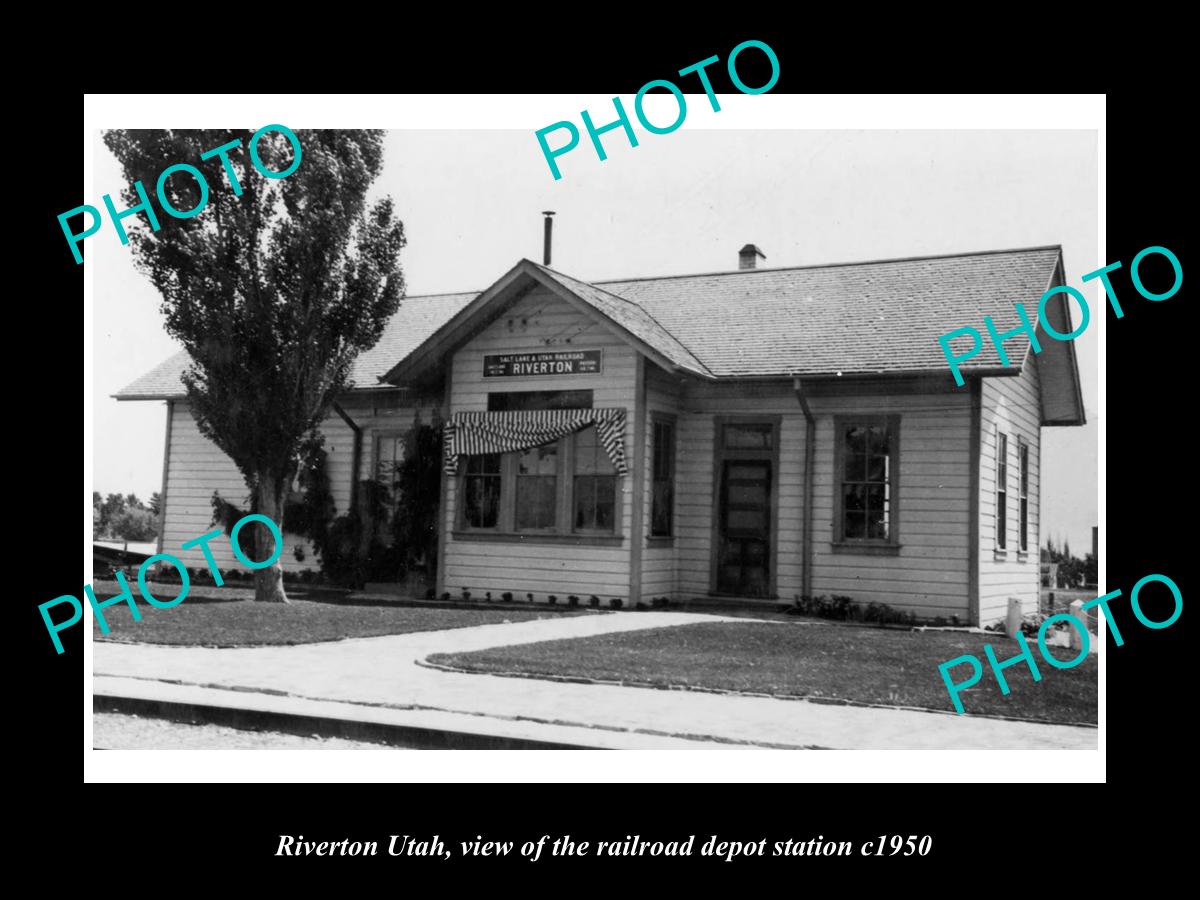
<point x="747" y="437"/>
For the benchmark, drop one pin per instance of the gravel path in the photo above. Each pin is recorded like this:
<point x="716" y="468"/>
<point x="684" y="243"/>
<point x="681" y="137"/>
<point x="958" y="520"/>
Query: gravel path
<point x="116" y="731"/>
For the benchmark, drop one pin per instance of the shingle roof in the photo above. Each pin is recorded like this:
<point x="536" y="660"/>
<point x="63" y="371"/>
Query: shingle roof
<point x="417" y="319"/>
<point x="852" y="318"/>
<point x="633" y="318"/>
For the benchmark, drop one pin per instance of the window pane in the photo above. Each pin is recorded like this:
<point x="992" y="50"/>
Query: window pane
<point x="1024" y="524"/>
<point x="878" y="522"/>
<point x="595" y="502"/>
<point x="507" y="401"/>
<point x="878" y="440"/>
<point x="488" y="463"/>
<point x="856" y="467"/>
<point x="854" y="496"/>
<point x="482" y="502"/>
<point x="535" y="501"/>
<point x="856" y="439"/>
<point x="605" y="502"/>
<point x="877" y="468"/>
<point x="660" y="515"/>
<point x="664" y="449"/>
<point x="585" y="452"/>
<point x="541" y="460"/>
<point x="855" y="524"/>
<point x="747" y="437"/>
<point x="590" y="456"/>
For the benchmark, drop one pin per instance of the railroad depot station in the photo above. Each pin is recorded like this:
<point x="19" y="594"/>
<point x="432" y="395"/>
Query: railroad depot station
<point x="749" y="433"/>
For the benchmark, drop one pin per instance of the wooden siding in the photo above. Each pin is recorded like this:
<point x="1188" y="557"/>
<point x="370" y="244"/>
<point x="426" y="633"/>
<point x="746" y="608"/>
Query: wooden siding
<point x="541" y="321"/>
<point x="929" y="575"/>
<point x="1012" y="406"/>
<point x="197" y="467"/>
<point x="659" y="575"/>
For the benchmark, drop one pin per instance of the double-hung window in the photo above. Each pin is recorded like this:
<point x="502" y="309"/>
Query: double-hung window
<point x="1023" y="494"/>
<point x="537" y="488"/>
<point x="1001" y="490"/>
<point x="595" y="485"/>
<point x="662" y="475"/>
<point x="481" y="491"/>
<point x="866" y="473"/>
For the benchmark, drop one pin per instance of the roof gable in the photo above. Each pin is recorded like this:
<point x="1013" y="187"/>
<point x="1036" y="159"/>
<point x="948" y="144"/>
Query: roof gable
<point x="628" y="320"/>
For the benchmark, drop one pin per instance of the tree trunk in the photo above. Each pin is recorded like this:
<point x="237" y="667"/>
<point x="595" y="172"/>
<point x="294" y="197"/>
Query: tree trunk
<point x="268" y="582"/>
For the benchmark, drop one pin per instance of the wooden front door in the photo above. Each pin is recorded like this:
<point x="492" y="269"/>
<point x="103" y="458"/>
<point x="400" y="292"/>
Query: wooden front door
<point x="744" y="528"/>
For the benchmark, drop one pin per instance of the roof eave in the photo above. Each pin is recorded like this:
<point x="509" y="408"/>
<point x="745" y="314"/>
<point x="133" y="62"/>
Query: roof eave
<point x="131" y="397"/>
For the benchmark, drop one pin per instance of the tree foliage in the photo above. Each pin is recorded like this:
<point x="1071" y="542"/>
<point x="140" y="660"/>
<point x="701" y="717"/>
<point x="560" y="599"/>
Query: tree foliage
<point x="1072" y="571"/>
<point x="122" y="517"/>
<point x="273" y="293"/>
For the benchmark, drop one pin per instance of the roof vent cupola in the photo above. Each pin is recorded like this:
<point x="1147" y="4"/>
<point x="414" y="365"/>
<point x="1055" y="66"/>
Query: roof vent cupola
<point x="748" y="257"/>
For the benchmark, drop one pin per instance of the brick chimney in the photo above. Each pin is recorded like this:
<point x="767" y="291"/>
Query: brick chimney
<point x="748" y="257"/>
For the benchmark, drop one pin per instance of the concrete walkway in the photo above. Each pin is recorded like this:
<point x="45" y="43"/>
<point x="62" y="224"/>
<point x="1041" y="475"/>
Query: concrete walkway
<point x="381" y="673"/>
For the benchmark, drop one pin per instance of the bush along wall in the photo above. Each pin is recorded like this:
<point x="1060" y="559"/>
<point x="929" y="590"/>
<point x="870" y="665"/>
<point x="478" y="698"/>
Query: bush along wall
<point x="844" y="609"/>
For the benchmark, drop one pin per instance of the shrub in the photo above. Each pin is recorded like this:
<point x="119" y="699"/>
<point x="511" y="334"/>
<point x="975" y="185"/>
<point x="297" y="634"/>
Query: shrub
<point x="845" y="609"/>
<point x="616" y="603"/>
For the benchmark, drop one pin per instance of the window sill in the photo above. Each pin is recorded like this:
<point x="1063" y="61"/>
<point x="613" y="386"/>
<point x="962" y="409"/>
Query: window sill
<point x="1022" y="556"/>
<point x="864" y="549"/>
<point x="999" y="555"/>
<point x="660" y="540"/>
<point x="579" y="540"/>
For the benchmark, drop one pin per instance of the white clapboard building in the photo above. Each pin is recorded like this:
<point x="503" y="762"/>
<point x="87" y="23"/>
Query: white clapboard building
<point x="752" y="433"/>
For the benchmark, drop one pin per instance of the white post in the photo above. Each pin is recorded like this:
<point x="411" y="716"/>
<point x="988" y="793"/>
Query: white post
<point x="1012" y="622"/>
<point x="1077" y="611"/>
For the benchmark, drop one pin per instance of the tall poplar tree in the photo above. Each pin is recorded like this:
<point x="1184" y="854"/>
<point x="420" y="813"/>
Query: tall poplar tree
<point x="273" y="287"/>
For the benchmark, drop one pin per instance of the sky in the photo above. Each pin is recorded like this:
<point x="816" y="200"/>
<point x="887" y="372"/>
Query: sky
<point x="471" y="203"/>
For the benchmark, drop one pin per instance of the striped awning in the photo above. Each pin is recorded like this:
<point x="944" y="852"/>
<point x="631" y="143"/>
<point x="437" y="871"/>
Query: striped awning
<point x="473" y="433"/>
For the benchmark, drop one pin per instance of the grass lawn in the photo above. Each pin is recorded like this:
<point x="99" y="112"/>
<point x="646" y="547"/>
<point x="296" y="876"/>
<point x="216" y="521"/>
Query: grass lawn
<point x="228" y="617"/>
<point x="816" y="662"/>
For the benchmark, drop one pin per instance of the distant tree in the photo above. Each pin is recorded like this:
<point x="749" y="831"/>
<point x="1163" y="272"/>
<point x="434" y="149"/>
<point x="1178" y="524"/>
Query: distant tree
<point x="97" y="515"/>
<point x="156" y="503"/>
<point x="273" y="292"/>
<point x="135" y="524"/>
<point x="110" y="509"/>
